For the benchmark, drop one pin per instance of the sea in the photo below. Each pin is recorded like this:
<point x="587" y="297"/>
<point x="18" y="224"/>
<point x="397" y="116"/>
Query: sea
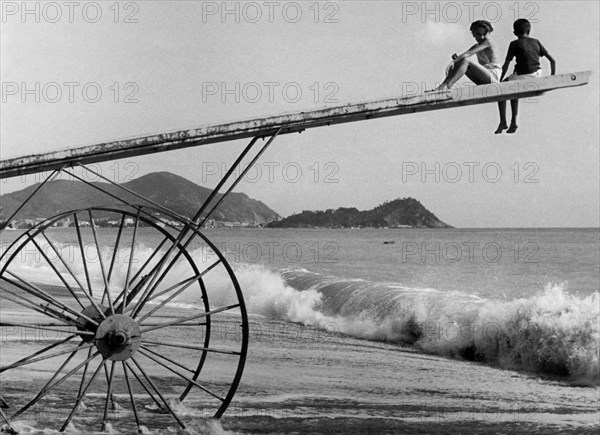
<point x="400" y="330"/>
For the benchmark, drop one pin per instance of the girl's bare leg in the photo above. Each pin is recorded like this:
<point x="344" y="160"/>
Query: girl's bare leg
<point x="470" y="67"/>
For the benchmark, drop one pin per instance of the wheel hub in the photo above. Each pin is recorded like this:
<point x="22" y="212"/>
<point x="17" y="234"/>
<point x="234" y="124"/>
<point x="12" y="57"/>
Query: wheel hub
<point x="118" y="337"/>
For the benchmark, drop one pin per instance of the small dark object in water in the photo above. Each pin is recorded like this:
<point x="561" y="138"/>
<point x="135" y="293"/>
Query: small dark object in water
<point x="388" y="242"/>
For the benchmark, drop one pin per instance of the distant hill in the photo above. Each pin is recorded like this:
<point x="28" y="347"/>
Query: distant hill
<point x="164" y="188"/>
<point x="400" y="212"/>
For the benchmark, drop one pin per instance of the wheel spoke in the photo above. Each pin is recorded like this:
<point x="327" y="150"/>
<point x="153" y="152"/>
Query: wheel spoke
<point x="108" y="394"/>
<point x="156" y="251"/>
<point x="88" y="297"/>
<point x="185" y="319"/>
<point x="189" y="380"/>
<point x="46" y="327"/>
<point x="80" y="398"/>
<point x="105" y="293"/>
<point x="167" y="368"/>
<point x="47" y="388"/>
<point x="114" y="256"/>
<point x="42" y="309"/>
<point x="191" y="346"/>
<point x="158" y="392"/>
<point x="147" y="349"/>
<point x="188" y="282"/>
<point x="9" y="427"/>
<point x="154" y="399"/>
<point x="126" y="288"/>
<point x="42" y="358"/>
<point x="150" y="279"/>
<point x="45" y="296"/>
<point x="56" y="271"/>
<point x="133" y="406"/>
<point x="138" y="273"/>
<point x="47" y="348"/>
<point x="85" y="369"/>
<point x="83" y="260"/>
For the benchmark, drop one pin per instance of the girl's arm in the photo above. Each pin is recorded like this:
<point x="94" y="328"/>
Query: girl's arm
<point x="474" y="49"/>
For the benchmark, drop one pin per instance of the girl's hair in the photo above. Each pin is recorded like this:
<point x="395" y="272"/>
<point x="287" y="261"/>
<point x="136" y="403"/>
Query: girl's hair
<point x="481" y="23"/>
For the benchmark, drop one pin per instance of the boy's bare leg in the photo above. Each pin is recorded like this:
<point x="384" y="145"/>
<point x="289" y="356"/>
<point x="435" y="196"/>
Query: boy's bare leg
<point x="502" y="109"/>
<point x="514" y="106"/>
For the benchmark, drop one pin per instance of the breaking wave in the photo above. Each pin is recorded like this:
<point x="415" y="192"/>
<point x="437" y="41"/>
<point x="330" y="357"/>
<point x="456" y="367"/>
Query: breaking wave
<point x="553" y="332"/>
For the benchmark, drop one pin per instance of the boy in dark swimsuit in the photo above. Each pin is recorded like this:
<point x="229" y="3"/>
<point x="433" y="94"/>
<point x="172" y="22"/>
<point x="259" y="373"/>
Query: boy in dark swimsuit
<point x="527" y="52"/>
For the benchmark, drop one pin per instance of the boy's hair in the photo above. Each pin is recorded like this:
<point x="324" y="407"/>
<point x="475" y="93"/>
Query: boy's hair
<point x="481" y="23"/>
<point x="522" y="27"/>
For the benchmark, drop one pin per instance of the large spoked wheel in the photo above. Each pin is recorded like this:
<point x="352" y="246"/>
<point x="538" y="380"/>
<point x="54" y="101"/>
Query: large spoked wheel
<point x="113" y="318"/>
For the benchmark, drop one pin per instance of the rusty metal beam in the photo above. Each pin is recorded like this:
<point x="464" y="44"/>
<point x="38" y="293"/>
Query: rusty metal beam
<point x="289" y="123"/>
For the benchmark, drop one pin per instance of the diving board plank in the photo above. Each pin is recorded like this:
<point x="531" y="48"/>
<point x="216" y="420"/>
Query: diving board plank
<point x="289" y="123"/>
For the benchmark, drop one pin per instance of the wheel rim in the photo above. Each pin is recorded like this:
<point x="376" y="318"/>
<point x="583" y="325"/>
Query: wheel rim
<point x="130" y="327"/>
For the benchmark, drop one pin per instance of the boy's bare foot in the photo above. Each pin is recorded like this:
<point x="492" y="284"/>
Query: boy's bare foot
<point x="501" y="128"/>
<point x="512" y="128"/>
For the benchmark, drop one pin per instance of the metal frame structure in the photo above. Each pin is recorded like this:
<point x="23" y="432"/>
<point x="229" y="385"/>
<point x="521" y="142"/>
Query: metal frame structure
<point x="111" y="321"/>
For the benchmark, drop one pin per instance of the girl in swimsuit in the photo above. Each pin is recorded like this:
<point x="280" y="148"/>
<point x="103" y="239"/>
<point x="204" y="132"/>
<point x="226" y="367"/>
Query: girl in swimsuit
<point x="482" y="71"/>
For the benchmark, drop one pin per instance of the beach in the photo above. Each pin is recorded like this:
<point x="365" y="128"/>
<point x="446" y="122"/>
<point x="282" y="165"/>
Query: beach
<point x="334" y="354"/>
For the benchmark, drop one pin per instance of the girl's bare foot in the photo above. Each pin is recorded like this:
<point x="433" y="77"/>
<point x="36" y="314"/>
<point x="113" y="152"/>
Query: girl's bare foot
<point x="501" y="127"/>
<point x="512" y="128"/>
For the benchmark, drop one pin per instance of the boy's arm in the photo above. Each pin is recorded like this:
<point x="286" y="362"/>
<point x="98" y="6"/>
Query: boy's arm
<point x="552" y="64"/>
<point x="509" y="56"/>
<point x="504" y="69"/>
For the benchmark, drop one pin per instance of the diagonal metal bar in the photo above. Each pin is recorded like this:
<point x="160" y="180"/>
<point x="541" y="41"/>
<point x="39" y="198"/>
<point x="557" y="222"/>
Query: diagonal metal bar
<point x="157" y="268"/>
<point x="182" y="376"/>
<point x="178" y="292"/>
<point x="9" y="220"/>
<point x="106" y="192"/>
<point x="155" y="282"/>
<point x="235" y="183"/>
<point x="137" y="195"/>
<point x="226" y="177"/>
<point x="156" y="250"/>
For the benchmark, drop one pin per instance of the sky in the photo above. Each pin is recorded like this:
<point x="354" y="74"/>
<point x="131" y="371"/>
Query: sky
<point x="79" y="73"/>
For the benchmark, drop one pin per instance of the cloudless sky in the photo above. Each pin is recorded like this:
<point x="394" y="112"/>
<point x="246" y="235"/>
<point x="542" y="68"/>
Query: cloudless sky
<point x="183" y="64"/>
